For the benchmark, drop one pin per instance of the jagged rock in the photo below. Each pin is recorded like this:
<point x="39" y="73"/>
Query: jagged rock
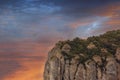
<point x="91" y="46"/>
<point x="99" y="73"/>
<point x="103" y="50"/>
<point x="117" y="55"/>
<point x="76" y="57"/>
<point x="118" y="71"/>
<point x="98" y="68"/>
<point x="90" y="70"/>
<point x="59" y="68"/>
<point x="66" y="48"/>
<point x="111" y="69"/>
<point x="80" y="73"/>
<point x="97" y="59"/>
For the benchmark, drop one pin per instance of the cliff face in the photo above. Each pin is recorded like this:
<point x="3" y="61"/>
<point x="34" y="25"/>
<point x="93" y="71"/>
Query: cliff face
<point x="61" y="65"/>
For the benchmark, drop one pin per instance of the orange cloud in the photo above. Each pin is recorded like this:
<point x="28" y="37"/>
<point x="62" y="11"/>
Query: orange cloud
<point x="31" y="57"/>
<point x="110" y="10"/>
<point x="31" y="70"/>
<point x="115" y="22"/>
<point x="80" y="23"/>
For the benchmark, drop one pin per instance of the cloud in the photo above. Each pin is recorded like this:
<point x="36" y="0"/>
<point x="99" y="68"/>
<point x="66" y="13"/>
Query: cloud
<point x="20" y="58"/>
<point x="30" y="70"/>
<point x="7" y="67"/>
<point x="30" y="28"/>
<point x="16" y="54"/>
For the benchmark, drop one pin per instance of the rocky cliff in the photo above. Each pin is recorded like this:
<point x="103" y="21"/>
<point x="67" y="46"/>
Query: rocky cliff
<point x="91" y="62"/>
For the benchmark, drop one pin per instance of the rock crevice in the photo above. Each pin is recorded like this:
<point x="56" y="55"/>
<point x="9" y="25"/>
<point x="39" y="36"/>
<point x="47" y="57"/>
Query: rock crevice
<point x="59" y="67"/>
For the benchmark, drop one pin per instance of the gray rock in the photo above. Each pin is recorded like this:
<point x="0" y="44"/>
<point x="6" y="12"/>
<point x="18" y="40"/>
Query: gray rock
<point x="117" y="55"/>
<point x="60" y="68"/>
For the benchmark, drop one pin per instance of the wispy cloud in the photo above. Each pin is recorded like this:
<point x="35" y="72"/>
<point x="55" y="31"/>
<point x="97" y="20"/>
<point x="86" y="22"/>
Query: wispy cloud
<point x="30" y="28"/>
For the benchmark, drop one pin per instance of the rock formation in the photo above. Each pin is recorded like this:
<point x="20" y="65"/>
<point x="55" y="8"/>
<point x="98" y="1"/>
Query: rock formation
<point x="61" y="65"/>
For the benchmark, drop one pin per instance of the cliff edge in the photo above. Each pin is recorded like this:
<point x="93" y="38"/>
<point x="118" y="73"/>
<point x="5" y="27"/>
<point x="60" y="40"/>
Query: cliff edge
<point x="95" y="58"/>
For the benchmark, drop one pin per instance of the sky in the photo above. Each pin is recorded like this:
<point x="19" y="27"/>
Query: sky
<point x="30" y="28"/>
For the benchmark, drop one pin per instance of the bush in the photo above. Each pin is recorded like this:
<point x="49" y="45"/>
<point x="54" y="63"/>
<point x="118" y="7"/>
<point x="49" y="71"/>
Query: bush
<point x="109" y="41"/>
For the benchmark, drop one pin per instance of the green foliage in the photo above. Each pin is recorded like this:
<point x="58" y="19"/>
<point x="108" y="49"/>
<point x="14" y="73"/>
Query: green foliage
<point x="77" y="45"/>
<point x="109" y="41"/>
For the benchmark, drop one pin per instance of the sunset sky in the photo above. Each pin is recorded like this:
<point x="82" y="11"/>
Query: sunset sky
<point x="30" y="28"/>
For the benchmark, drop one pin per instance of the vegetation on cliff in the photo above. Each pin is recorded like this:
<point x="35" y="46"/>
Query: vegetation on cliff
<point x="94" y="58"/>
<point x="103" y="45"/>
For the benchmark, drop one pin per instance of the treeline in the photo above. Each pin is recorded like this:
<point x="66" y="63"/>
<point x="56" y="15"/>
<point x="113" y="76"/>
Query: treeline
<point x="103" y="45"/>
